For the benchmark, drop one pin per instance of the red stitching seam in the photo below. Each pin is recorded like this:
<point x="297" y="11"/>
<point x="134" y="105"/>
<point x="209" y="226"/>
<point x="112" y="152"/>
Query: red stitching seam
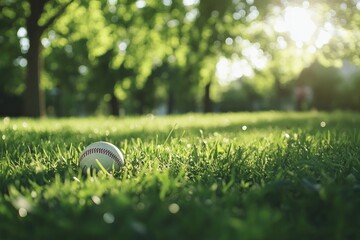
<point x="102" y="151"/>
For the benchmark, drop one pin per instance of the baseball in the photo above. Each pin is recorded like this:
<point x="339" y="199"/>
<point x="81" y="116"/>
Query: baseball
<point x="107" y="154"/>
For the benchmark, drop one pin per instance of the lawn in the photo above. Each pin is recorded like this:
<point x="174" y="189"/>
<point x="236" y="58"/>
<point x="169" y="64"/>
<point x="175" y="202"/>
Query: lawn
<point x="266" y="175"/>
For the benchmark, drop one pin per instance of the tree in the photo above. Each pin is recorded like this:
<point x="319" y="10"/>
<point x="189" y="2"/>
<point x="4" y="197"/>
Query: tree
<point x="166" y="49"/>
<point x="34" y="97"/>
<point x="335" y="37"/>
<point x="213" y="35"/>
<point x="11" y="62"/>
<point x="133" y="49"/>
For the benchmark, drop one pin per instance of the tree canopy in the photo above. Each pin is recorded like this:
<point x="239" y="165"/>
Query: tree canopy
<point x="69" y="57"/>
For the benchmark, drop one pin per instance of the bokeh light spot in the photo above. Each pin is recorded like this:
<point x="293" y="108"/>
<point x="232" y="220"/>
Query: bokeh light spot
<point x="174" y="208"/>
<point x="22" y="212"/>
<point x="108" y="217"/>
<point x="96" y="199"/>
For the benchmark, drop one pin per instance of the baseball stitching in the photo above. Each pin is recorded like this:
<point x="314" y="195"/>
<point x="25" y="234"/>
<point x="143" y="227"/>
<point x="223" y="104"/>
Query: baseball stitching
<point x="101" y="151"/>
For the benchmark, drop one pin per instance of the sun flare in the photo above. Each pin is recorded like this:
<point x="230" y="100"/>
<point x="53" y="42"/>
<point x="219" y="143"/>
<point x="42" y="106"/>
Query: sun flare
<point x="301" y="26"/>
<point x="298" y="23"/>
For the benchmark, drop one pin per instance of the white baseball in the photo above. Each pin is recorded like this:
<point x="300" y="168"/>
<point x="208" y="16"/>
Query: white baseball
<point x="109" y="156"/>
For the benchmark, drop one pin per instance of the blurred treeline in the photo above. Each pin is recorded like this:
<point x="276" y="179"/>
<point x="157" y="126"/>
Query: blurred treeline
<point x="137" y="57"/>
<point x="326" y="89"/>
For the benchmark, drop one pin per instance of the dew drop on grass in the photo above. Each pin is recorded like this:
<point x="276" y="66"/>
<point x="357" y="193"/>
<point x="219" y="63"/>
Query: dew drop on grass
<point x="108" y="217"/>
<point x="6" y="120"/>
<point x="76" y="179"/>
<point x="244" y="128"/>
<point x="22" y="212"/>
<point x="96" y="199"/>
<point x="287" y="135"/>
<point x="174" y="208"/>
<point x="323" y="124"/>
<point x="214" y="187"/>
<point x="33" y="194"/>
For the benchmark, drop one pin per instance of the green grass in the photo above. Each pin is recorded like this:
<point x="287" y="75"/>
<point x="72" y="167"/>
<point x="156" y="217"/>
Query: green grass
<point x="221" y="176"/>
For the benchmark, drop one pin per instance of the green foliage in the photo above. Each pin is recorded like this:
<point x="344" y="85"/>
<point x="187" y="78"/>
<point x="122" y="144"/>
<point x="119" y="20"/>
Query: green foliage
<point x="345" y="16"/>
<point x="220" y="176"/>
<point x="348" y="97"/>
<point x="122" y="41"/>
<point x="327" y="81"/>
<point x="240" y="96"/>
<point x="10" y="67"/>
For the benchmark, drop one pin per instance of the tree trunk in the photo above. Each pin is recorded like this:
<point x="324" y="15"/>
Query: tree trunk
<point x="114" y="105"/>
<point x="207" y="99"/>
<point x="34" y="97"/>
<point x="170" y="102"/>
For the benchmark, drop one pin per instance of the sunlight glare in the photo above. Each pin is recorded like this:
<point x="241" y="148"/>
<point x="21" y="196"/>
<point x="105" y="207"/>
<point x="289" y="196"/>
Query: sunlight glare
<point x="140" y="4"/>
<point x="324" y="35"/>
<point x="227" y="71"/>
<point x="233" y="68"/>
<point x="298" y="23"/>
<point x="190" y="2"/>
<point x="323" y="38"/>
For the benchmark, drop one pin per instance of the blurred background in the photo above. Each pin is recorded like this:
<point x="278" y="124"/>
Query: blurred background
<point x="117" y="57"/>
